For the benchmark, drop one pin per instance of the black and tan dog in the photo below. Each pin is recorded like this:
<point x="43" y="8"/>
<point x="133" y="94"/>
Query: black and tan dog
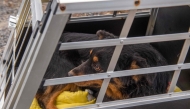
<point x="61" y="63"/>
<point x="132" y="57"/>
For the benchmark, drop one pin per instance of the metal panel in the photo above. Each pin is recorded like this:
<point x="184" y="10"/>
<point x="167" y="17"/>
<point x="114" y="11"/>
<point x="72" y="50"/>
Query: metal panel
<point x="113" y="42"/>
<point x="13" y="92"/>
<point x="81" y="6"/>
<point x="115" y="74"/>
<point x="40" y="61"/>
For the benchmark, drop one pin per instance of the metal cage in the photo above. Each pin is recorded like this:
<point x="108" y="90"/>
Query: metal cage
<point x="24" y="57"/>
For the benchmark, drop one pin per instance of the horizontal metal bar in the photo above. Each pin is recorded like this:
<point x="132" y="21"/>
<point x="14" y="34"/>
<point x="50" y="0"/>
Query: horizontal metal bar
<point x="106" y="17"/>
<point x="66" y="80"/>
<point x="81" y="6"/>
<point x="139" y="101"/>
<point x="113" y="42"/>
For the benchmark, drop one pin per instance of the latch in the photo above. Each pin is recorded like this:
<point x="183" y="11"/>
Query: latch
<point x="12" y="21"/>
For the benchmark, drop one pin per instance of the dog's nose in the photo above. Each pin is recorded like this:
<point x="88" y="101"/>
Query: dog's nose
<point x="71" y="73"/>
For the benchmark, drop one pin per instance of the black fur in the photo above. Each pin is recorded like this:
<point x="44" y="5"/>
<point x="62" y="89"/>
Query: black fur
<point x="144" y="55"/>
<point x="80" y="55"/>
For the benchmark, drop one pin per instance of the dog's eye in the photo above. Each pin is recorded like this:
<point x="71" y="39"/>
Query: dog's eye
<point x="96" y="67"/>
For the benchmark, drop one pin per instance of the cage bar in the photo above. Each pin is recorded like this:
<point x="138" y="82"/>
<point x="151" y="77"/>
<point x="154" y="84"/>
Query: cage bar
<point x="53" y="23"/>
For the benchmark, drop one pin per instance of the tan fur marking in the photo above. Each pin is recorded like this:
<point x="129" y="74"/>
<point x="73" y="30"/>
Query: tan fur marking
<point x="95" y="59"/>
<point x="100" y="37"/>
<point x="136" y="78"/>
<point x="116" y="94"/>
<point x="134" y="65"/>
<point x="90" y="83"/>
<point x="48" y="90"/>
<point x="91" y="52"/>
<point x="112" y="90"/>
<point x="118" y="82"/>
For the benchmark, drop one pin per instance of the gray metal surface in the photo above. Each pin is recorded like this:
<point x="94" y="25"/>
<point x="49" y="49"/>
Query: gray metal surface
<point x="139" y="101"/>
<point x="23" y="40"/>
<point x="115" y="74"/>
<point x="113" y="42"/>
<point x="152" y="21"/>
<point x="180" y="61"/>
<point x="13" y="92"/>
<point x="37" y="12"/>
<point x="40" y="61"/>
<point x="106" y="17"/>
<point x="40" y="49"/>
<point x="81" y="6"/>
<point x="116" y="54"/>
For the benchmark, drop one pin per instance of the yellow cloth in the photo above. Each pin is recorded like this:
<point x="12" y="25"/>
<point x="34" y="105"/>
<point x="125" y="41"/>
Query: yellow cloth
<point x="71" y="99"/>
<point x="68" y="99"/>
<point x="177" y="89"/>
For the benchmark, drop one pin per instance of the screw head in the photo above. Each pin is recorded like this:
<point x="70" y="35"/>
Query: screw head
<point x="179" y="67"/>
<point x="137" y="2"/>
<point x="121" y="41"/>
<point x="109" y="75"/>
<point x="62" y="7"/>
<point x="98" y="105"/>
<point x="41" y="23"/>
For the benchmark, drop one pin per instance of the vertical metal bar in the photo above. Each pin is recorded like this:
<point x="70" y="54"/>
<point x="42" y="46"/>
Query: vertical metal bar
<point x="22" y="28"/>
<point x="1" y="86"/>
<point x="152" y="21"/>
<point x="14" y="56"/>
<point x="8" y="47"/>
<point x="116" y="54"/>
<point x="21" y="46"/>
<point x="37" y="12"/>
<point x="180" y="61"/>
<point x="3" y="91"/>
<point x="21" y="18"/>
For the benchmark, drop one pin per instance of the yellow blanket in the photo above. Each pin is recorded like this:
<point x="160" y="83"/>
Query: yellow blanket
<point x="71" y="99"/>
<point x="68" y="99"/>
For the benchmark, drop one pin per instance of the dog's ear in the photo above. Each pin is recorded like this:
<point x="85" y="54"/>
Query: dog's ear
<point x="105" y="35"/>
<point x="140" y="62"/>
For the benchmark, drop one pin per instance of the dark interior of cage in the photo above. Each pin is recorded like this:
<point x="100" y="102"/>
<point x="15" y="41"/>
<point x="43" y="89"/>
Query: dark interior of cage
<point x="169" y="21"/>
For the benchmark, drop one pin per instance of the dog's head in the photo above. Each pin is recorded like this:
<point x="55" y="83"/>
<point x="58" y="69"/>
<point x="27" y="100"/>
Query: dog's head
<point x="131" y="57"/>
<point x="99" y="61"/>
